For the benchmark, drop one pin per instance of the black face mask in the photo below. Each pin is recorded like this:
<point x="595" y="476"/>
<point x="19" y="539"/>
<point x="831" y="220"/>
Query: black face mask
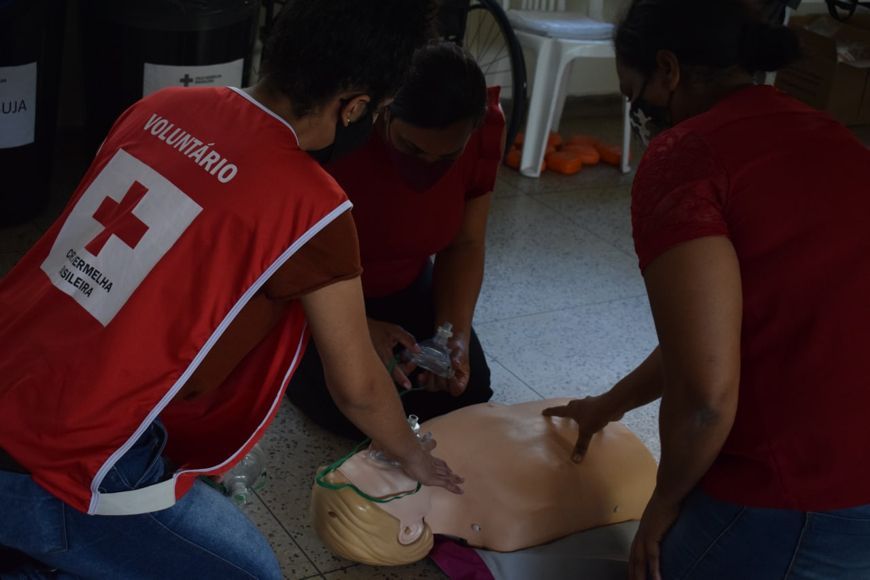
<point x="649" y="120"/>
<point x="347" y="138"/>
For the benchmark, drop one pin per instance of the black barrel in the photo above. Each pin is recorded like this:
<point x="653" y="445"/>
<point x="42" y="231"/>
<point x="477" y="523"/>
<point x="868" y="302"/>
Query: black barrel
<point x="133" y="47"/>
<point x="31" y="33"/>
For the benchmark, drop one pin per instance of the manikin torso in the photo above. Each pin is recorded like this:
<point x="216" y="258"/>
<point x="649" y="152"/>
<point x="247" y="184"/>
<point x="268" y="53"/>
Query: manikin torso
<point x="521" y="488"/>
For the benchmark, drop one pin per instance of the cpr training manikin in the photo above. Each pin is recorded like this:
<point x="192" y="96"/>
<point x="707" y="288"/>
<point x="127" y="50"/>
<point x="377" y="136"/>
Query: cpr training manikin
<point x="521" y="488"/>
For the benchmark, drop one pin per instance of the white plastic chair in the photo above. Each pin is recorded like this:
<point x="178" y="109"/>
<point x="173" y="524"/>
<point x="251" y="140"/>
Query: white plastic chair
<point x="558" y="38"/>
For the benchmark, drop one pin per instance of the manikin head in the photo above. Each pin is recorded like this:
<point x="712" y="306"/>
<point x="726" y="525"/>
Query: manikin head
<point x="521" y="488"/>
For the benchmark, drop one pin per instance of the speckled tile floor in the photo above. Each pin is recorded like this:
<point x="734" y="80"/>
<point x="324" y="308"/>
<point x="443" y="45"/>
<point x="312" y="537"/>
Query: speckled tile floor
<point x="562" y="313"/>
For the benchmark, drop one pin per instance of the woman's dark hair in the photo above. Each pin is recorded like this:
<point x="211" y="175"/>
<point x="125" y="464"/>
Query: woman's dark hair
<point x="319" y="48"/>
<point x="716" y="34"/>
<point x="444" y="85"/>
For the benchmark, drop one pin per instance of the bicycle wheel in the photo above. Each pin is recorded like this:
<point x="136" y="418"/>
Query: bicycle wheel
<point x="490" y="39"/>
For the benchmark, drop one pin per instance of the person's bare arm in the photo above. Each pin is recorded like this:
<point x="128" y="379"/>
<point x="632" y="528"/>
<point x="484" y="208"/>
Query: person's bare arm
<point x="457" y="278"/>
<point x="359" y="383"/>
<point x="697" y="303"/>
<point x="641" y="386"/>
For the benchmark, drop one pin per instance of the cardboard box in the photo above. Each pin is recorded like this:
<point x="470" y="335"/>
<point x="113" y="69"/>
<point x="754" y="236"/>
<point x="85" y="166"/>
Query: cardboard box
<point x="834" y="73"/>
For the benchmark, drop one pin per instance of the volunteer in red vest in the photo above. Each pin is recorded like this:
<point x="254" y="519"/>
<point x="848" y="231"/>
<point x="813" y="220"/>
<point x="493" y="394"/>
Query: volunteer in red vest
<point x="751" y="218"/>
<point x="149" y="335"/>
<point x="421" y="186"/>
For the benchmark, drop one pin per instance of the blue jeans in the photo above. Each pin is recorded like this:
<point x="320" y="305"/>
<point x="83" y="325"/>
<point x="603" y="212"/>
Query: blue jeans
<point x="203" y="535"/>
<point x="715" y="540"/>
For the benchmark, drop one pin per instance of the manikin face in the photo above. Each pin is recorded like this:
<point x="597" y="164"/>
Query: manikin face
<point x="379" y="479"/>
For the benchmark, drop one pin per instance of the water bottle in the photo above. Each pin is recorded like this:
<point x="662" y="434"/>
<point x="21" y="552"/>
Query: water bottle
<point x="434" y="355"/>
<point x="246" y="476"/>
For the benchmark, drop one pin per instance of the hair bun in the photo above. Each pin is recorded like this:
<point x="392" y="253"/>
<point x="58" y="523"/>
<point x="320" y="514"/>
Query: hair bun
<point x="768" y="48"/>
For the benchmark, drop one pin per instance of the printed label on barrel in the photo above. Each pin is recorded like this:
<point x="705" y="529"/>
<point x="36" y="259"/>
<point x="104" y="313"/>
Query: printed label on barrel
<point x="161" y="76"/>
<point x="17" y="105"/>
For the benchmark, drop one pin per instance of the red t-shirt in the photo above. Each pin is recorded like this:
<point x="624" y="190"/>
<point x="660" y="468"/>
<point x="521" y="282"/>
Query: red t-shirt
<point x="399" y="228"/>
<point x="791" y="189"/>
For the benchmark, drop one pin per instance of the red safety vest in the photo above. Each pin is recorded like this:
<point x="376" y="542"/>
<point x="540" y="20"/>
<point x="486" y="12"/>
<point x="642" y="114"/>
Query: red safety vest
<point x="195" y="199"/>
